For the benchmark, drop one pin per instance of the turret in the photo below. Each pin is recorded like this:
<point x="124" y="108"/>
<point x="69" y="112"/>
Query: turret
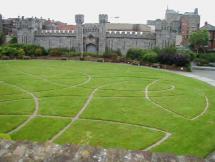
<point x="103" y="18"/>
<point x="196" y="11"/>
<point x="79" y="19"/>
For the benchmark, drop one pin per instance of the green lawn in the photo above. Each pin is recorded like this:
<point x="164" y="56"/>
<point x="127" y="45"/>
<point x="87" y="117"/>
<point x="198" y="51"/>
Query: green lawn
<point x="127" y="110"/>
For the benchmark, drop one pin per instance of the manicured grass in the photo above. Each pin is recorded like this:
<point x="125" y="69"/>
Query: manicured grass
<point x="8" y="123"/>
<point x="104" y="134"/>
<point x="40" y="129"/>
<point x="5" y="136"/>
<point x="23" y="107"/>
<point x="61" y="105"/>
<point x="63" y="87"/>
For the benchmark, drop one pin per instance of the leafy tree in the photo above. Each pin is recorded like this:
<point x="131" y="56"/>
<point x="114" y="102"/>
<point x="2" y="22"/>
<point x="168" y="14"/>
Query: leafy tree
<point x="199" y="40"/>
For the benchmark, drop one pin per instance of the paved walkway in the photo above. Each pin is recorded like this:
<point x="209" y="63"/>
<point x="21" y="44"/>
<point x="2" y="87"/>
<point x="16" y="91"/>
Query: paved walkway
<point x="203" y="75"/>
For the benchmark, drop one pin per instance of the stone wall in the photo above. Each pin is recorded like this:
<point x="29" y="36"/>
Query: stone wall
<point x="126" y="40"/>
<point x="11" y="151"/>
<point x="55" y="39"/>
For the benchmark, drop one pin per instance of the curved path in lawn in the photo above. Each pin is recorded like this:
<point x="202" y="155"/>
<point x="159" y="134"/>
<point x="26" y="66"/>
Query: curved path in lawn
<point x="167" y="134"/>
<point x="170" y="111"/>
<point x="36" y="109"/>
<point x="77" y="116"/>
<point x="88" y="101"/>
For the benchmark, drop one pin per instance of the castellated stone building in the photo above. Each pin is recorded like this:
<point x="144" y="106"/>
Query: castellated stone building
<point x="95" y="37"/>
<point x="183" y="24"/>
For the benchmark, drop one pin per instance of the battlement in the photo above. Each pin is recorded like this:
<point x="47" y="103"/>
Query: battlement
<point x="130" y="34"/>
<point x="56" y="32"/>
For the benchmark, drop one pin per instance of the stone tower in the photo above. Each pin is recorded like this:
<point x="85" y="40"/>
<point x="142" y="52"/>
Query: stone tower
<point x="103" y="20"/>
<point x="79" y="19"/>
<point x="26" y="29"/>
<point x="165" y="35"/>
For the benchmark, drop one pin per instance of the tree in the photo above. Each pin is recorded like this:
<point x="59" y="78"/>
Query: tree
<point x="199" y="40"/>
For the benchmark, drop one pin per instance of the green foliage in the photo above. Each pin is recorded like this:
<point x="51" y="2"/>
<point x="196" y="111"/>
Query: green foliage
<point x="201" y="62"/>
<point x="199" y="39"/>
<point x="93" y="54"/>
<point x="13" y="40"/>
<point x="188" y="52"/>
<point x="20" y="53"/>
<point x="150" y="57"/>
<point x="210" y="57"/>
<point x="109" y="53"/>
<point x="168" y="51"/>
<point x="30" y="49"/>
<point x="135" y="54"/>
<point x="8" y="51"/>
<point x="57" y="51"/>
<point x="5" y="136"/>
<point x="38" y="52"/>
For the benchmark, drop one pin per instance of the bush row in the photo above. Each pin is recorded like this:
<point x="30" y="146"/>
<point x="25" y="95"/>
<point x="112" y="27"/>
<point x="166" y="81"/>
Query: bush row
<point x="204" y="59"/>
<point x="168" y="56"/>
<point x="20" y="50"/>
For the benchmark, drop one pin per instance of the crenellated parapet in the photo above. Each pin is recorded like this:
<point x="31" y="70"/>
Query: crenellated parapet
<point x="130" y="34"/>
<point x="60" y="33"/>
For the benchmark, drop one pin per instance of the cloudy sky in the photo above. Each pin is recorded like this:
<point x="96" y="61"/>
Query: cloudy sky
<point x="130" y="11"/>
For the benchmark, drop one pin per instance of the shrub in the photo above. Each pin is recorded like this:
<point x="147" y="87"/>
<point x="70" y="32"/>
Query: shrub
<point x="89" y="54"/>
<point x="71" y="54"/>
<point x="109" y="53"/>
<point x="166" y="58"/>
<point x="135" y="54"/>
<point x="38" y="52"/>
<point x="57" y="51"/>
<point x="150" y="57"/>
<point x="201" y="61"/>
<point x="13" y="40"/>
<point x="9" y="51"/>
<point x="30" y="50"/>
<point x="182" y="59"/>
<point x="20" y="53"/>
<point x="178" y="57"/>
<point x="210" y="57"/>
<point x="188" y="52"/>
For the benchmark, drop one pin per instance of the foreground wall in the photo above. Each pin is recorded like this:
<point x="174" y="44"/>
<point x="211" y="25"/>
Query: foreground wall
<point x="11" y="151"/>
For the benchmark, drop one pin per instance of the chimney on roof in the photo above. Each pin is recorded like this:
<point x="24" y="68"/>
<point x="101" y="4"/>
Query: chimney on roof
<point x="206" y="23"/>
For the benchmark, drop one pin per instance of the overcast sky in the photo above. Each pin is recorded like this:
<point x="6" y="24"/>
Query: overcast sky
<point x="129" y="11"/>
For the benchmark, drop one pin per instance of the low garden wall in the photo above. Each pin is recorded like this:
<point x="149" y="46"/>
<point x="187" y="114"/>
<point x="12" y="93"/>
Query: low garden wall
<point x="11" y="151"/>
